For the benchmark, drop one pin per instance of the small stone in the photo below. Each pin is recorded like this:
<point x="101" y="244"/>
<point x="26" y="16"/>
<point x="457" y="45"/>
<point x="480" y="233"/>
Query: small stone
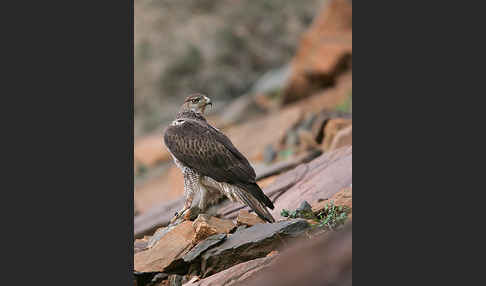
<point x="269" y="154"/>
<point x="304" y="207"/>
<point x="140" y="245"/>
<point x="246" y="218"/>
<point x="240" y="228"/>
<point x="203" y="246"/>
<point x="206" y="225"/>
<point x="274" y="252"/>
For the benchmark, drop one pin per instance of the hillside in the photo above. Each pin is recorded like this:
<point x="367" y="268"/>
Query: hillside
<point x="291" y="117"/>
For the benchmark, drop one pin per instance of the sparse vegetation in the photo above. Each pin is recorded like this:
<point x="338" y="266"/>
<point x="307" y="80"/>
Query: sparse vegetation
<point x="331" y="217"/>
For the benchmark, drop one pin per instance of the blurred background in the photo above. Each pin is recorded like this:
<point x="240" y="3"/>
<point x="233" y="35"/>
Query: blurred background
<point x="278" y="71"/>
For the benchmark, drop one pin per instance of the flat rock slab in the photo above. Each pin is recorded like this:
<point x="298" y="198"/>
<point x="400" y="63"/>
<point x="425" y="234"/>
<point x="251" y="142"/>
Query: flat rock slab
<point x="317" y="180"/>
<point x="250" y="243"/>
<point x="190" y="262"/>
<point x="203" y="246"/>
<point x="324" y="260"/>
<point x="156" y="217"/>
<point x="173" y="245"/>
<point x="235" y="274"/>
<point x="140" y="245"/>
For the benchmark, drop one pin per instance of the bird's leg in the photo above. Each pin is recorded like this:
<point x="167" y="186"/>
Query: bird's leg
<point x="204" y="199"/>
<point x="190" y="188"/>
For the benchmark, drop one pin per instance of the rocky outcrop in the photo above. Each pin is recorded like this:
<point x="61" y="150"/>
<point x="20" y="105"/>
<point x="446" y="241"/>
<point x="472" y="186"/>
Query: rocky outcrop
<point x="250" y="243"/>
<point x="170" y="246"/>
<point x="321" y="261"/>
<point x="331" y="130"/>
<point x="324" y="51"/>
<point x="234" y="274"/>
<point x="176" y="249"/>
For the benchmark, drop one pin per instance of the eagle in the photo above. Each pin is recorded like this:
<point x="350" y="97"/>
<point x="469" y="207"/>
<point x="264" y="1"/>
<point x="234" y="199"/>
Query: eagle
<point x="210" y="163"/>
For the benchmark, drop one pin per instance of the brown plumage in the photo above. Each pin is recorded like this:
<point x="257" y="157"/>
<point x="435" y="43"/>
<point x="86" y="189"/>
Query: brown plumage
<point x="210" y="162"/>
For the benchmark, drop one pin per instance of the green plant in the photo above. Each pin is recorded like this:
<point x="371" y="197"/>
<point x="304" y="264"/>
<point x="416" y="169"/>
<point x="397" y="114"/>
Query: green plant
<point x="332" y="216"/>
<point x="297" y="214"/>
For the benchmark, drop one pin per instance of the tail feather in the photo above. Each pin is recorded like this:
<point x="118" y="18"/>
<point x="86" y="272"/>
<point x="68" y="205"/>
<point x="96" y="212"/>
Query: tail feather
<point x="256" y="205"/>
<point x="257" y="193"/>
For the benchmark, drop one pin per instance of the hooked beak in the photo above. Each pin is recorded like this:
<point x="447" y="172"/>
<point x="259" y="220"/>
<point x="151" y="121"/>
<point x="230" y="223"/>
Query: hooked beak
<point x="207" y="102"/>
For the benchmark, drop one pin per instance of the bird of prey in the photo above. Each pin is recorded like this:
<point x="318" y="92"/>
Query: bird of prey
<point x="209" y="162"/>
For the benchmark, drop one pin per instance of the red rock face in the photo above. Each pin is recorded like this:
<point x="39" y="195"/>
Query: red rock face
<point x="333" y="127"/>
<point x="236" y="273"/>
<point x="317" y="180"/>
<point x="173" y="245"/>
<point x="326" y="260"/>
<point x="324" y="52"/>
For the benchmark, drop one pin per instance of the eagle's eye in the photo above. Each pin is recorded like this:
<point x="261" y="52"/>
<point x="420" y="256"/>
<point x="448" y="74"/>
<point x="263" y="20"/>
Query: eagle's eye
<point x="195" y="100"/>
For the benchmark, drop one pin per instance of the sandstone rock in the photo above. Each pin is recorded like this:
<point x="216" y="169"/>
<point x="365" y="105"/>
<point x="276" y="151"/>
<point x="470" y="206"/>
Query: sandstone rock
<point x="236" y="273"/>
<point x="332" y="128"/>
<point x="157" y="216"/>
<point x="329" y="98"/>
<point x="324" y="260"/>
<point x="203" y="246"/>
<point x="250" y="243"/>
<point x="206" y="226"/>
<point x="140" y="245"/>
<point x="172" y="245"/>
<point x="190" y="262"/>
<point x="314" y="181"/>
<point x="342" y="138"/>
<point x="273" y="126"/>
<point x="264" y="170"/>
<point x="246" y="218"/>
<point x="342" y="198"/>
<point x="159" y="233"/>
<point x="324" y="51"/>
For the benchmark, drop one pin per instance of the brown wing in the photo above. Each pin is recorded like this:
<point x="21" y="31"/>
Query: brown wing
<point x="203" y="148"/>
<point x="199" y="146"/>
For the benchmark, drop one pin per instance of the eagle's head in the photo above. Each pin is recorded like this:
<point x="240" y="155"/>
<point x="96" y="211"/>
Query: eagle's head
<point x="197" y="103"/>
